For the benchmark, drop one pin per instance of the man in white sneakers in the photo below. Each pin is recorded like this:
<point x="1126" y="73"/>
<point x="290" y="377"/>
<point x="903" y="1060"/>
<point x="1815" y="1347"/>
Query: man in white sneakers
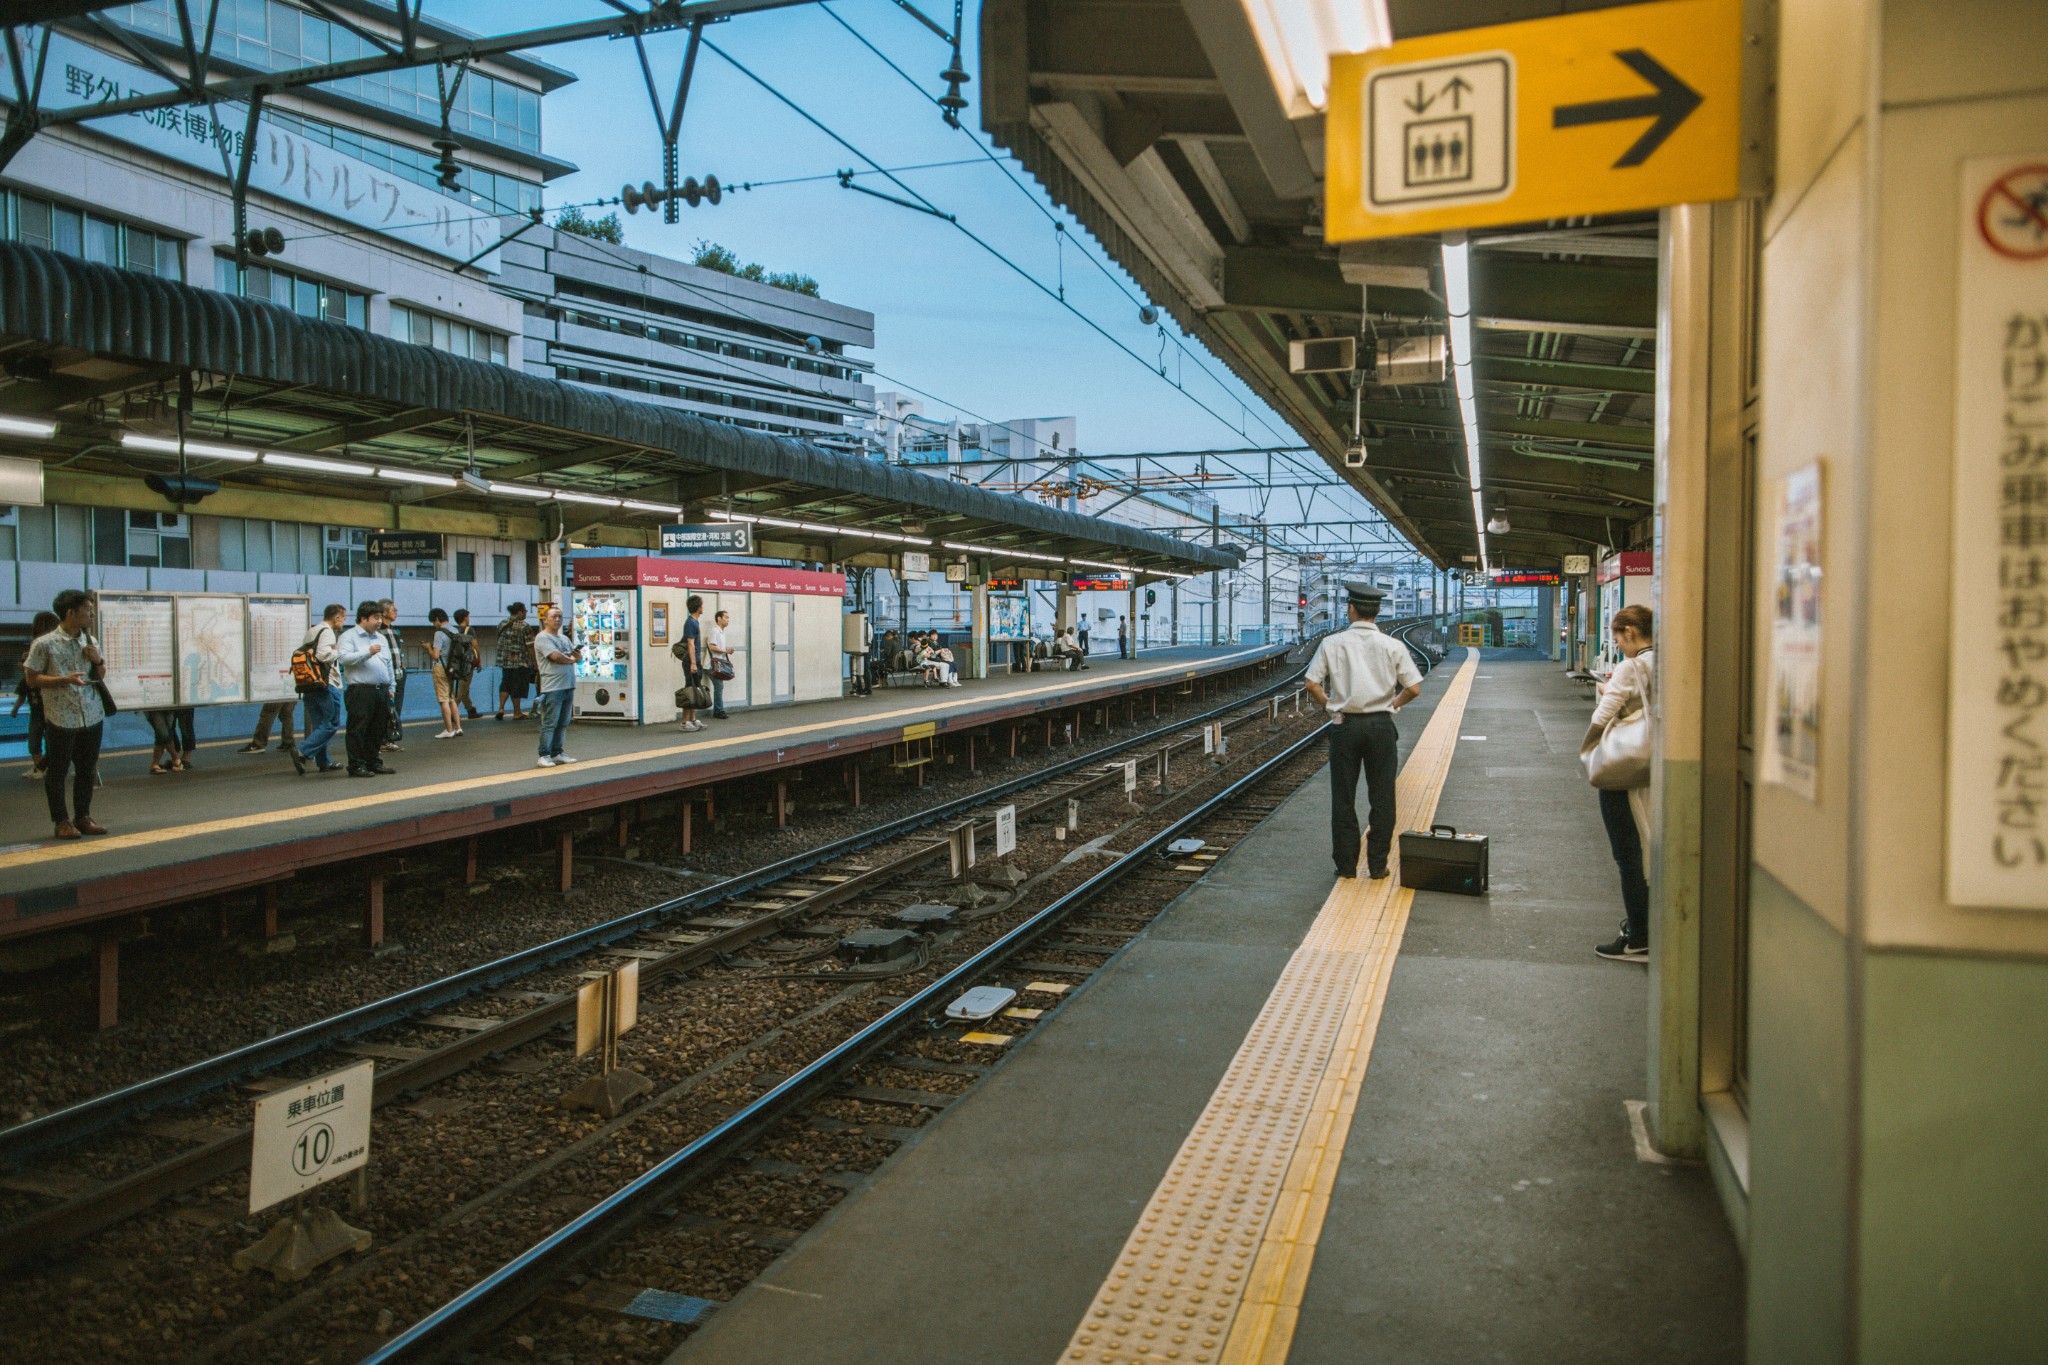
<point x="557" y="656"/>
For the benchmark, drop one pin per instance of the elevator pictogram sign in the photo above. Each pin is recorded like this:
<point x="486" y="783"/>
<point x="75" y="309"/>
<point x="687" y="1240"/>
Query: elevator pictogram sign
<point x="1608" y="111"/>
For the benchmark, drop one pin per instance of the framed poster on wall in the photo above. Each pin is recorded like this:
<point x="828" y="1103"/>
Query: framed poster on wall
<point x="1792" y="701"/>
<point x="212" y="649"/>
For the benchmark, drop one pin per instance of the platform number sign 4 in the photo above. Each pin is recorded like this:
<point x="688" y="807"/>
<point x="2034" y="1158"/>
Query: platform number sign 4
<point x="311" y="1133"/>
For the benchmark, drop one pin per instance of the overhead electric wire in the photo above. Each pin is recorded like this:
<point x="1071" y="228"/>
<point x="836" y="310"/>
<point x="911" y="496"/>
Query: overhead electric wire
<point x="970" y="234"/>
<point x="989" y="155"/>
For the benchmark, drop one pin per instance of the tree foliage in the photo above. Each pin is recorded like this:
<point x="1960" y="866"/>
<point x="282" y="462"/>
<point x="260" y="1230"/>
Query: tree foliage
<point x="710" y="255"/>
<point x="605" y="229"/>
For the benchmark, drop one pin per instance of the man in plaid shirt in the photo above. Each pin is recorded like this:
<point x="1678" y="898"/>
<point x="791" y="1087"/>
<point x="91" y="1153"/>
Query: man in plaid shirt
<point x="515" y="660"/>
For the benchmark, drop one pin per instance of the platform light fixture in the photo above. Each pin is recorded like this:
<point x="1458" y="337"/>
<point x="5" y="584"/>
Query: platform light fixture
<point x="1457" y="254"/>
<point x="417" y="476"/>
<point x="168" y="445"/>
<point x="316" y="466"/>
<point x="513" y="490"/>
<point x="1297" y="38"/>
<point x="27" y="426"/>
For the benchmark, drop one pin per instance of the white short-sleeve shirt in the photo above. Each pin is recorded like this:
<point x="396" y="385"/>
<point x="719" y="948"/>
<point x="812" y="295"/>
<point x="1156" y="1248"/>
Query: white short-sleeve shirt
<point x="1362" y="670"/>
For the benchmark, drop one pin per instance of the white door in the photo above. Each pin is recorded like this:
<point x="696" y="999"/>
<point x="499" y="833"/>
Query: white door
<point x="782" y="637"/>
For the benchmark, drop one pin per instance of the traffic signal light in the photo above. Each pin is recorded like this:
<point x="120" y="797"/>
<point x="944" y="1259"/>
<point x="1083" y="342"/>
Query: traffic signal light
<point x="1302" y="601"/>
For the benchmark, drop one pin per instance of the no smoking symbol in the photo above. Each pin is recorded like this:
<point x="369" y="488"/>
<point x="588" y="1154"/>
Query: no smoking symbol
<point x="2013" y="214"/>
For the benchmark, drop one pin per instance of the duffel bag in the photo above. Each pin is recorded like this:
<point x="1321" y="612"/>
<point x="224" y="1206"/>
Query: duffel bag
<point x="693" y="698"/>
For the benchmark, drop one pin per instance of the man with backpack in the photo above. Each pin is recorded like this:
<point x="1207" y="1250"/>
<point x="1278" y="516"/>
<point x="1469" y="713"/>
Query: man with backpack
<point x="441" y="651"/>
<point x="319" y="687"/>
<point x="463" y="662"/>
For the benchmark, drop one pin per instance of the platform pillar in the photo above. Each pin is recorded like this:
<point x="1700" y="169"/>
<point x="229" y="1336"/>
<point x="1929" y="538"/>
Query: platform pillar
<point x="108" y="981"/>
<point x="373" y="914"/>
<point x="853" y="781"/>
<point x="469" y="861"/>
<point x="969" y="740"/>
<point x="781" y="803"/>
<point x="270" y="910"/>
<point x="683" y="823"/>
<point x="1013" y="739"/>
<point x="622" y="828"/>
<point x="565" y="861"/>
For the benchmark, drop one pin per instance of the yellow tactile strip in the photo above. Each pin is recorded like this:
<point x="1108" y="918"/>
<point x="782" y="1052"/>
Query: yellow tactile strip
<point x="1214" y="1270"/>
<point x="527" y="775"/>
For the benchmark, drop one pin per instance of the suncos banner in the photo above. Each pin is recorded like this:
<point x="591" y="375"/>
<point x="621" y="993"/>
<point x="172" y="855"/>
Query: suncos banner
<point x="284" y="164"/>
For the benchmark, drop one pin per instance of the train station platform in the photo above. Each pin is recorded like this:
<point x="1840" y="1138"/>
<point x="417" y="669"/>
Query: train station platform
<point x="1332" y="1124"/>
<point x="237" y="821"/>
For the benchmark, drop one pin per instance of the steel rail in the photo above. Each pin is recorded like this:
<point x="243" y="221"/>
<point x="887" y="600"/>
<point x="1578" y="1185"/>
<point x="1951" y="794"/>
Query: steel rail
<point x="26" y="1140"/>
<point x="58" y="1225"/>
<point x="518" y="1282"/>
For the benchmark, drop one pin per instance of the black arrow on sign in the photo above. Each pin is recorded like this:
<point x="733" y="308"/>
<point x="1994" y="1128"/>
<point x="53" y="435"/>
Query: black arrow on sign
<point x="1670" y="106"/>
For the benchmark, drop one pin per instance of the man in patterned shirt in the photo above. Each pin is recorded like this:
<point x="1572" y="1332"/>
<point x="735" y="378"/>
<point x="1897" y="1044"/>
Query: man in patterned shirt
<point x="515" y="660"/>
<point x="62" y="666"/>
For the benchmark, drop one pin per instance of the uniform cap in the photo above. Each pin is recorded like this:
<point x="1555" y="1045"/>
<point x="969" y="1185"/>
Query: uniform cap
<point x="1363" y="594"/>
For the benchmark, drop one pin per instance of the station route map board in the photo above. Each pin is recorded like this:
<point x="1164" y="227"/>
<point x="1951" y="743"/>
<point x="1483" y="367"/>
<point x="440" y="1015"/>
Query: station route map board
<point x="276" y="626"/>
<point x="212" y="654"/>
<point x="135" y="633"/>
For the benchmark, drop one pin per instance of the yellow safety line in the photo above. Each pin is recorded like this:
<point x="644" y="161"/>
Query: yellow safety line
<point x="391" y="796"/>
<point x="1215" y="1269"/>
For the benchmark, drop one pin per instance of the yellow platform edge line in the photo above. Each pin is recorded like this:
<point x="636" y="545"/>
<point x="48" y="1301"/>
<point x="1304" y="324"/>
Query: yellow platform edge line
<point x="1218" y="1261"/>
<point x="254" y="818"/>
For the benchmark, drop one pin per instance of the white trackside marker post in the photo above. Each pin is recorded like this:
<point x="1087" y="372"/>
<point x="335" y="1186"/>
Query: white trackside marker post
<point x="306" y="1135"/>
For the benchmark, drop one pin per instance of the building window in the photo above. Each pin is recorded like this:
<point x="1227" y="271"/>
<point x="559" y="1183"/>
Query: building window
<point x="35" y="221"/>
<point x="446" y="334"/>
<point x="465" y="566"/>
<point x="501" y="568"/>
<point x="156" y="540"/>
<point x="347" y="551"/>
<point x="307" y="297"/>
<point x="271" y="36"/>
<point x="482" y="189"/>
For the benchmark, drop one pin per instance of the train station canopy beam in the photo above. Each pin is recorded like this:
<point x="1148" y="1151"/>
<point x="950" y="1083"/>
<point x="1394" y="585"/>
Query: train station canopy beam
<point x="105" y="353"/>
<point x="1158" y="126"/>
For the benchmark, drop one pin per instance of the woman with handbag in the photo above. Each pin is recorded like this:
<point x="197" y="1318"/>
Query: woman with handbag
<point x="1616" y="755"/>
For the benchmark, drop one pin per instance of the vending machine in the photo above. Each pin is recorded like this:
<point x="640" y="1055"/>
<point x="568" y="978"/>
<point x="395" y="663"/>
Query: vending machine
<point x="608" y="675"/>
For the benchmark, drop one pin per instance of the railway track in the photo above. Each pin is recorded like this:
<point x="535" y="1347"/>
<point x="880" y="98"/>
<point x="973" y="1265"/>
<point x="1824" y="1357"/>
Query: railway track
<point x="868" y="1069"/>
<point x="679" y="935"/>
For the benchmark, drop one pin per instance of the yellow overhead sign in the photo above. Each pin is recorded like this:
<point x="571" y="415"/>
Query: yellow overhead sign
<point x="1600" y="112"/>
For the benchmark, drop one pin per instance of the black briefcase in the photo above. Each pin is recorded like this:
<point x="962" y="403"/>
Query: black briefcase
<point x="1444" y="860"/>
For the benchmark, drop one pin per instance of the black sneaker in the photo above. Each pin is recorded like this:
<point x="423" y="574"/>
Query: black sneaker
<point x="298" y="761"/>
<point x="1621" y="950"/>
<point x="1378" y="874"/>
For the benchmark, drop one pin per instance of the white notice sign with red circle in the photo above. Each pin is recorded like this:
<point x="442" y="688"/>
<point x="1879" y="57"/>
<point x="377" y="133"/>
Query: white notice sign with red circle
<point x="1997" y="845"/>
<point x="2012" y="213"/>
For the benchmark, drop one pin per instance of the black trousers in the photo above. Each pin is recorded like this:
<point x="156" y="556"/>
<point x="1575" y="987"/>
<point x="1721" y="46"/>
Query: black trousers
<point x="1370" y="744"/>
<point x="1627" y="843"/>
<point x="78" y="750"/>
<point x="369" y="720"/>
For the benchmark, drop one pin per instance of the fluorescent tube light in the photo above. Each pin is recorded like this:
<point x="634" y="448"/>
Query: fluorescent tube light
<point x="25" y="426"/>
<point x="162" y="445"/>
<point x="418" y="477"/>
<point x="652" y="507"/>
<point x="318" y="466"/>
<point x="515" y="491"/>
<point x="1297" y="38"/>
<point x="563" y="495"/>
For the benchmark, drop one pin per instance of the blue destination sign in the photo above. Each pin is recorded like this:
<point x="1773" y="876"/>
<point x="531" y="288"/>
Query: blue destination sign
<point x="708" y="538"/>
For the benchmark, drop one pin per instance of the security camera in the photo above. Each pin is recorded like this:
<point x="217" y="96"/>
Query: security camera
<point x="1354" y="455"/>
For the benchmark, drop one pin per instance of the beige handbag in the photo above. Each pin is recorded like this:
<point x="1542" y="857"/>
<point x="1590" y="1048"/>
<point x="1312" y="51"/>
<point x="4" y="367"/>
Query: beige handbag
<point x="1617" y="758"/>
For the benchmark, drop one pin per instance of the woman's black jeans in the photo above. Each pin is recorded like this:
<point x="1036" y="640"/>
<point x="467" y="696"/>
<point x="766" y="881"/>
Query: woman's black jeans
<point x="1628" y="858"/>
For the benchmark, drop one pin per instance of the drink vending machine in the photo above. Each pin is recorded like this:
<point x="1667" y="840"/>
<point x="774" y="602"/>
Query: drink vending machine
<point x="608" y="675"/>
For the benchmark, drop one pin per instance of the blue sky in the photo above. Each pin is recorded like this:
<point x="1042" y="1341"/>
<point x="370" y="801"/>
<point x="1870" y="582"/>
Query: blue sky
<point x="950" y="318"/>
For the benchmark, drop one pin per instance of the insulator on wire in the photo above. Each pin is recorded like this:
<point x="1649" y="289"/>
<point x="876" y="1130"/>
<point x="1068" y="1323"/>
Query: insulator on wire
<point x="448" y="173"/>
<point x="265" y="241"/>
<point x="953" y="101"/>
<point x="648" y="195"/>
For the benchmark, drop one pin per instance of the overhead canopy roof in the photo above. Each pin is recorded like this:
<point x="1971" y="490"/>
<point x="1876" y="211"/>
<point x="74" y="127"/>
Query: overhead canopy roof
<point x="102" y="351"/>
<point x="1156" y="124"/>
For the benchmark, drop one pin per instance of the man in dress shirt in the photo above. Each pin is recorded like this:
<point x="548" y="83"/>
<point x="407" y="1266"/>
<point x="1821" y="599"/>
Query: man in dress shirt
<point x="1361" y="677"/>
<point x="366" y="689"/>
<point x="62" y="666"/>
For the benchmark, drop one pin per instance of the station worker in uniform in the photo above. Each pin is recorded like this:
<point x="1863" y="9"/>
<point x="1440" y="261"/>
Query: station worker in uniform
<point x="1362" y="677"/>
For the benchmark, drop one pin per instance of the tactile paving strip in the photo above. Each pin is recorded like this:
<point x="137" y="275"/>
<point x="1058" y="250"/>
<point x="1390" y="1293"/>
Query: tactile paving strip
<point x="1215" y="1267"/>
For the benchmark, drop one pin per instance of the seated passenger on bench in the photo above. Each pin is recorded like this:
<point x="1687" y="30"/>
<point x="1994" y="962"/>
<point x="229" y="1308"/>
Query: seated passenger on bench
<point x="937" y="662"/>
